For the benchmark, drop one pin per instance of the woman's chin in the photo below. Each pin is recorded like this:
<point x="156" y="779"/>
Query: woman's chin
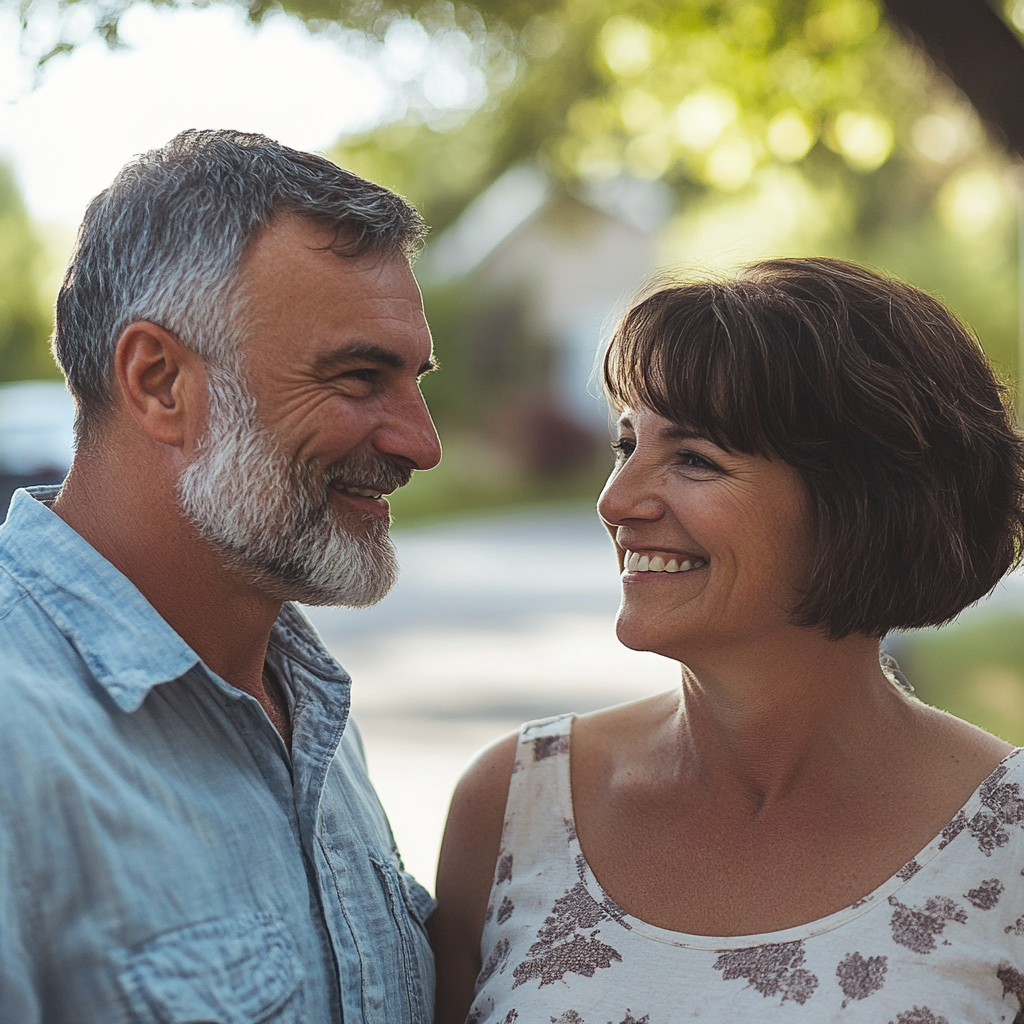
<point x="638" y="634"/>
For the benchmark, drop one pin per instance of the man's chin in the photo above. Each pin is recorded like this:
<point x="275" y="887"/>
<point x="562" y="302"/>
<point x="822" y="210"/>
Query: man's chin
<point x="359" y="572"/>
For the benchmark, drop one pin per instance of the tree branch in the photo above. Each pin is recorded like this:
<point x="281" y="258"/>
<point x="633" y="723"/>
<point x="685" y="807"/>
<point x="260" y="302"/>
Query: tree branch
<point x="969" y="41"/>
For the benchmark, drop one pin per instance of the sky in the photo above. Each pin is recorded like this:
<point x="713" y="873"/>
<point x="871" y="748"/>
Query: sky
<point x="68" y="133"/>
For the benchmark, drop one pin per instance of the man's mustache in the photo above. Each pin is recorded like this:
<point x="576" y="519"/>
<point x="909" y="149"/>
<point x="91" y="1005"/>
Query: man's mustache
<point x="374" y="472"/>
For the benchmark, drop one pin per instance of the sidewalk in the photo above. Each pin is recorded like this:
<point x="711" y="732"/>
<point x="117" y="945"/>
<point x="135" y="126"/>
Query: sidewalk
<point x="494" y="622"/>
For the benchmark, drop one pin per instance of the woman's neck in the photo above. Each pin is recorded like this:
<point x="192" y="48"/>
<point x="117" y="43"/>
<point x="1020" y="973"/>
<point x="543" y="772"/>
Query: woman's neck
<point x="757" y="724"/>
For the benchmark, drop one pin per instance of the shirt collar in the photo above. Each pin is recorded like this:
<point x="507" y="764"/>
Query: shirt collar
<point x="122" y="638"/>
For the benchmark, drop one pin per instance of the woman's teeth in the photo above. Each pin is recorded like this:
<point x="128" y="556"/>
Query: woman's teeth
<point x="633" y="562"/>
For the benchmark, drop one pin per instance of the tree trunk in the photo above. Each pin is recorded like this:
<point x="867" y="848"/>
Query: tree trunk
<point x="969" y="41"/>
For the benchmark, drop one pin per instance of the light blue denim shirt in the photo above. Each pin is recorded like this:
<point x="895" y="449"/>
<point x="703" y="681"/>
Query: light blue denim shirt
<point x="162" y="859"/>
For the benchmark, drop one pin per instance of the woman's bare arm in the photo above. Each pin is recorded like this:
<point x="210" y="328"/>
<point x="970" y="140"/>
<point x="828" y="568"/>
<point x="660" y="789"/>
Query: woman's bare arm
<point x="469" y="853"/>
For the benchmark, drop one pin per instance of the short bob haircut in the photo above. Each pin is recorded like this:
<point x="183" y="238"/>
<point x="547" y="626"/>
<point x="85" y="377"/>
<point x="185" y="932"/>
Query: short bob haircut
<point x="877" y="395"/>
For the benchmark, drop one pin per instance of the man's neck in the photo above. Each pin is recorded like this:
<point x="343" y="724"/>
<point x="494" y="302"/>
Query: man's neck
<point x="131" y="517"/>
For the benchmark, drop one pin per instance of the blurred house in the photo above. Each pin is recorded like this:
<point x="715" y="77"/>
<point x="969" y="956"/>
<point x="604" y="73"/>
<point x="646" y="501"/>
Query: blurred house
<point x="544" y="275"/>
<point x="36" y="435"/>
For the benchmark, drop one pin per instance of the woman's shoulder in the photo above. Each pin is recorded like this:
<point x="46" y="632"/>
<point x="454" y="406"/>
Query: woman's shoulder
<point x="619" y="734"/>
<point x="951" y="756"/>
<point x="469" y="858"/>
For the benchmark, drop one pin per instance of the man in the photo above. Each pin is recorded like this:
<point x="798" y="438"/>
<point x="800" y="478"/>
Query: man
<point x="187" y="830"/>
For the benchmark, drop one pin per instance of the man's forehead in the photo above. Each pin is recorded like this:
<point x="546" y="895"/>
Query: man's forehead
<point x="292" y="262"/>
<point x="292" y="239"/>
<point x="327" y="310"/>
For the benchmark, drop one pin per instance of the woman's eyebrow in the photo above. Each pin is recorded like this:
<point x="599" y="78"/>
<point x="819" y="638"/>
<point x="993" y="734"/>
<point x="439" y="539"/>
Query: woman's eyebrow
<point x="679" y="433"/>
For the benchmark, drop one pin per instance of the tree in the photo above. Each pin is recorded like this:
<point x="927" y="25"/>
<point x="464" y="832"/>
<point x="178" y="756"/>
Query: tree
<point x="818" y="106"/>
<point x="978" y="50"/>
<point x="700" y="94"/>
<point x="24" y="321"/>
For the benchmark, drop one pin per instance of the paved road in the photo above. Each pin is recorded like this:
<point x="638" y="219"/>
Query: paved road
<point x="494" y="622"/>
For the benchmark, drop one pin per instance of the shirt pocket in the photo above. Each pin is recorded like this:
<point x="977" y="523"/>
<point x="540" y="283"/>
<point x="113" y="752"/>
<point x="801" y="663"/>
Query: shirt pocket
<point x="238" y="970"/>
<point x="410" y="905"/>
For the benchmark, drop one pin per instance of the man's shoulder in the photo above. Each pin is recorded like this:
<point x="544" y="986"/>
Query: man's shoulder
<point x="26" y="632"/>
<point x="11" y="592"/>
<point x="36" y="656"/>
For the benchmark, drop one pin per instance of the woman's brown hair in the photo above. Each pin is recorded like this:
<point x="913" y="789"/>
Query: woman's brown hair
<point x="880" y="398"/>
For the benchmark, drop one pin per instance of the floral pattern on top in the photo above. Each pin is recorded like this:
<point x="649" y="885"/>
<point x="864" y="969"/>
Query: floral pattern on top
<point x="504" y="869"/>
<point x="908" y="870"/>
<point x="917" y="928"/>
<point x="550" y="746"/>
<point x="860" y="977"/>
<point x="560" y="948"/>
<point x="986" y="895"/>
<point x="1002" y="806"/>
<point x="1013" y="985"/>
<point x="940" y="942"/>
<point x="772" y="969"/>
<point x="919" y="1015"/>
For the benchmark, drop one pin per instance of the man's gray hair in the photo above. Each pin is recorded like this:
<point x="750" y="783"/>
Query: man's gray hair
<point x="164" y="243"/>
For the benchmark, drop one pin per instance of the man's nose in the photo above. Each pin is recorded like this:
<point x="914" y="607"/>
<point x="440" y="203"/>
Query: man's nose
<point x="410" y="435"/>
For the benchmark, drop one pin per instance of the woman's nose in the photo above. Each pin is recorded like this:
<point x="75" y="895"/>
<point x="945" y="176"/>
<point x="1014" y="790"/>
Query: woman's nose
<point x="628" y="496"/>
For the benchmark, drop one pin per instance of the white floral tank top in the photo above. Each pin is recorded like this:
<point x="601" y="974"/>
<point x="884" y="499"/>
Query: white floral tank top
<point x="941" y="942"/>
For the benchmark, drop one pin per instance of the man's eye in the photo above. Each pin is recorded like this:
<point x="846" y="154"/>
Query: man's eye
<point x="359" y="380"/>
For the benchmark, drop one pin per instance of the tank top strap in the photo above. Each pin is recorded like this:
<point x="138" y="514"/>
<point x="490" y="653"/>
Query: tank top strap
<point x="538" y="814"/>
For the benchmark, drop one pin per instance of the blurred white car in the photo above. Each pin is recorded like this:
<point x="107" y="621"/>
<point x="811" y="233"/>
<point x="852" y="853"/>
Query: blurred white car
<point x="36" y="429"/>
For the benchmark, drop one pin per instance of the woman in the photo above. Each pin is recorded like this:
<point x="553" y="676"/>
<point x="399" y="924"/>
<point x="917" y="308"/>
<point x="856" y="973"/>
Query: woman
<point x="808" y="457"/>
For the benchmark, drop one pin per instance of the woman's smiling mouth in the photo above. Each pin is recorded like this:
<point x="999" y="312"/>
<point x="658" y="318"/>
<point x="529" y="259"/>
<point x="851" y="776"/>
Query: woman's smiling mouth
<point x="664" y="561"/>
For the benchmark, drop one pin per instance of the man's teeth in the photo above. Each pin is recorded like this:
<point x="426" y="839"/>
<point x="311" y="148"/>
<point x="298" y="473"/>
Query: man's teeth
<point x="634" y="562"/>
<point x="363" y="492"/>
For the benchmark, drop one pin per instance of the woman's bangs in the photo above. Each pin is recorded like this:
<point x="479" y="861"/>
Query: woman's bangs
<point x="690" y="368"/>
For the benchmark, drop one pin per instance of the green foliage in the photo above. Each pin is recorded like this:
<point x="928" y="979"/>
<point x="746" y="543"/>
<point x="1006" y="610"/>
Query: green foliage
<point x="701" y="95"/>
<point x="810" y="122"/>
<point x="490" y="361"/>
<point x="973" y="669"/>
<point x="476" y="477"/>
<point x="812" y="113"/>
<point x="24" y="321"/>
<point x="976" y="276"/>
<point x="438" y="170"/>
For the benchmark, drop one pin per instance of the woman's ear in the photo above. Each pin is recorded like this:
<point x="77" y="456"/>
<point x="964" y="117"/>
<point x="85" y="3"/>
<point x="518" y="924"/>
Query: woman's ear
<point x="163" y="383"/>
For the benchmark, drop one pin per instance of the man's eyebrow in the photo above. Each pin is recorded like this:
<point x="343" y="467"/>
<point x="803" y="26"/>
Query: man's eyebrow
<point x="367" y="353"/>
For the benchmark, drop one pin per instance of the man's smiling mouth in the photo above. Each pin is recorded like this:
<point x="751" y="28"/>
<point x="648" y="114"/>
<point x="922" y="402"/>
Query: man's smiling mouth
<point x="359" y="492"/>
<point x="660" y="562"/>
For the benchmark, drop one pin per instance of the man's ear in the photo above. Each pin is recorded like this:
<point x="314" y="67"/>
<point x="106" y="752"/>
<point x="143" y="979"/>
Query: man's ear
<point x="163" y="383"/>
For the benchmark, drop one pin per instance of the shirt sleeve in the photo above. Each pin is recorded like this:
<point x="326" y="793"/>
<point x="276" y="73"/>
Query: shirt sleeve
<point x="19" y="986"/>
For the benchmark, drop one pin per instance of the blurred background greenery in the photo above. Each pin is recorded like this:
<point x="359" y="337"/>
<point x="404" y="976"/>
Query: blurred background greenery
<point x="592" y="142"/>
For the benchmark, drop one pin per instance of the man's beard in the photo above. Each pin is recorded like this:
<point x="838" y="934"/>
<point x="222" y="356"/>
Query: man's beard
<point x="270" y="517"/>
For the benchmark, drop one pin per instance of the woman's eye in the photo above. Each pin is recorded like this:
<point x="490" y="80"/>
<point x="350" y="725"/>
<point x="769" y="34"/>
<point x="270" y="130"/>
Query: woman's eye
<point x="698" y="464"/>
<point x="623" y="448"/>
